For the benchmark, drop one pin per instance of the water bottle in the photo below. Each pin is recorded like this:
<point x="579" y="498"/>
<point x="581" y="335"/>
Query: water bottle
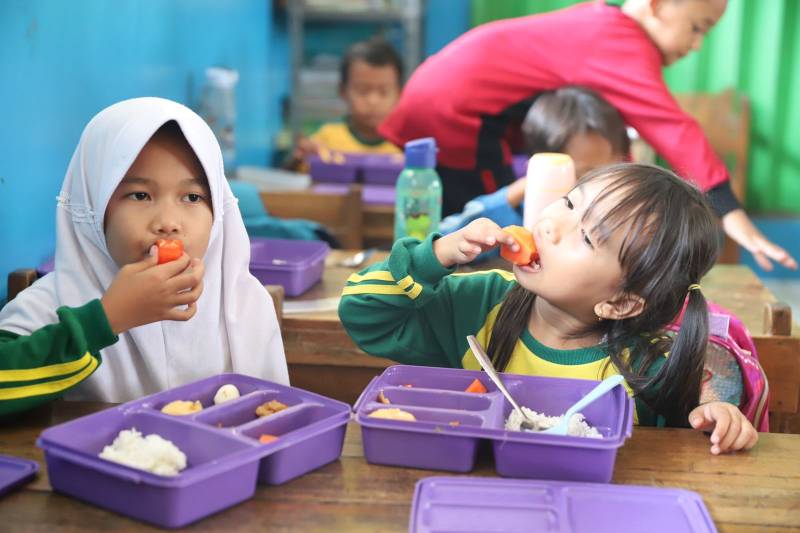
<point x="218" y="108"/>
<point x="418" y="208"/>
<point x="549" y="177"/>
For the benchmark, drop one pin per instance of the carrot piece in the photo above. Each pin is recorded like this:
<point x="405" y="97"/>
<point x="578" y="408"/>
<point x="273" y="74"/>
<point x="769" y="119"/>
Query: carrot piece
<point x="477" y="387"/>
<point x="169" y="250"/>
<point x="266" y="439"/>
<point x="527" y="246"/>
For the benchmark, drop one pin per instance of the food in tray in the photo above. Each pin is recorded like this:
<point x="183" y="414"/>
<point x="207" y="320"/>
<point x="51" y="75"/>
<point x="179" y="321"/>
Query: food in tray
<point x="527" y="247"/>
<point x="382" y="398"/>
<point x="477" y="387"/>
<point x="266" y="439"/>
<point x="577" y="424"/>
<point x="182" y="407"/>
<point x="169" y="250"/>
<point x="270" y="408"/>
<point x="454" y="423"/>
<point x="226" y="393"/>
<point x="393" y="413"/>
<point x="151" y="453"/>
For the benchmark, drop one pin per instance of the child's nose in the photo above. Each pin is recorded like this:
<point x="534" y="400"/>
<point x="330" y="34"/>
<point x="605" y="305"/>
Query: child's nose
<point x="167" y="222"/>
<point x="550" y="230"/>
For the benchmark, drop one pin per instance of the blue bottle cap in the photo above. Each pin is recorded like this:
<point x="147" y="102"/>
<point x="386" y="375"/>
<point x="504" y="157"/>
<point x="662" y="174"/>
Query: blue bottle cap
<point x="421" y="153"/>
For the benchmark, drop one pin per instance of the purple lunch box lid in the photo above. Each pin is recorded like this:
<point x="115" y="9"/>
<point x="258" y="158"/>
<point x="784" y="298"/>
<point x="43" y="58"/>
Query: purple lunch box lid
<point x="488" y="505"/>
<point x="286" y="254"/>
<point x="15" y="471"/>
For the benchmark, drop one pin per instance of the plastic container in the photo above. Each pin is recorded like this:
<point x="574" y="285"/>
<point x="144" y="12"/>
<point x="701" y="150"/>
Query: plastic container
<point x="225" y="457"/>
<point x="418" y="205"/>
<point x="489" y="505"/>
<point x="451" y="423"/>
<point x="294" y="264"/>
<point x="381" y="169"/>
<point x="550" y="176"/>
<point x="15" y="471"/>
<point x="337" y="168"/>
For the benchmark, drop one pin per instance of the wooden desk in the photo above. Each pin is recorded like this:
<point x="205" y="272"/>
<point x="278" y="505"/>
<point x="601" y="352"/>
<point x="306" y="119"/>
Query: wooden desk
<point x="323" y="358"/>
<point x="755" y="491"/>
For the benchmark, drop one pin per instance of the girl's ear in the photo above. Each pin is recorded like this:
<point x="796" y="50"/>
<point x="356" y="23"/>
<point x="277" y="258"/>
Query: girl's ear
<point x="622" y="306"/>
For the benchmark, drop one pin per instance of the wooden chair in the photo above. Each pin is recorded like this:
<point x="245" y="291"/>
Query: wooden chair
<point x="725" y="119"/>
<point x="341" y="214"/>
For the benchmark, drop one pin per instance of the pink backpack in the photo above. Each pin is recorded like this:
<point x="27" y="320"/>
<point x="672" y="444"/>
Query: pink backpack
<point x="728" y="335"/>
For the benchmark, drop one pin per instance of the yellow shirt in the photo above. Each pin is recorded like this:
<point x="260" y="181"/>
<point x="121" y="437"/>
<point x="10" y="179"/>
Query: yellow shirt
<point x="339" y="137"/>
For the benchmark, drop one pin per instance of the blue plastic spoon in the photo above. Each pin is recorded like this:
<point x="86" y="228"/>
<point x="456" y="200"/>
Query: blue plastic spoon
<point x="601" y="388"/>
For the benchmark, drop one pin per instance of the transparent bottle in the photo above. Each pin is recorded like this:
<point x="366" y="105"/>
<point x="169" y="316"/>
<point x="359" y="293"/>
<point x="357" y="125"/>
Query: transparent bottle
<point x="550" y="176"/>
<point x="218" y="109"/>
<point x="418" y="208"/>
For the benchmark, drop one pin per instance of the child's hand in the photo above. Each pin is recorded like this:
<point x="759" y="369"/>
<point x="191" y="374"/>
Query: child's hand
<point x="469" y="242"/>
<point x="146" y="292"/>
<point x="732" y="430"/>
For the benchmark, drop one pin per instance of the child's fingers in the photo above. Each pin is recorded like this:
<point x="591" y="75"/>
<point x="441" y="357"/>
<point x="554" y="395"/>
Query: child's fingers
<point x="150" y="260"/>
<point x="700" y="420"/>
<point x="188" y="297"/>
<point x="468" y="249"/>
<point x="173" y="268"/>
<point x="721" y="426"/>
<point x="730" y="436"/>
<point x="186" y="280"/>
<point x="184" y="314"/>
<point x="746" y="439"/>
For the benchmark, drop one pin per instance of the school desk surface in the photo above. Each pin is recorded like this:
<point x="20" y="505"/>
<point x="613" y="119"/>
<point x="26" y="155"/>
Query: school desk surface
<point x="754" y="491"/>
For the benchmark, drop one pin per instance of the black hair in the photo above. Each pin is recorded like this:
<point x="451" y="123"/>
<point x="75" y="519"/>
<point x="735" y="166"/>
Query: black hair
<point x="554" y="117"/>
<point x="172" y="132"/>
<point x="670" y="241"/>
<point x="375" y="52"/>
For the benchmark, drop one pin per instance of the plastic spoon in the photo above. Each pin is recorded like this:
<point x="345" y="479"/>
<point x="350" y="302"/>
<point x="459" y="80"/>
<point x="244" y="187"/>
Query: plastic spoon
<point x="527" y="422"/>
<point x="602" y="388"/>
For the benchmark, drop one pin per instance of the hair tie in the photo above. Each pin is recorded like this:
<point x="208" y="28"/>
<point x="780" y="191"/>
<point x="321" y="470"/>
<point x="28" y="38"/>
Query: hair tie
<point x="693" y="287"/>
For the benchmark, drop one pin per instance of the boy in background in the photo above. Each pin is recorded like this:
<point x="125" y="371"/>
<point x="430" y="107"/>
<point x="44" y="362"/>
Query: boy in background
<point x="371" y="75"/>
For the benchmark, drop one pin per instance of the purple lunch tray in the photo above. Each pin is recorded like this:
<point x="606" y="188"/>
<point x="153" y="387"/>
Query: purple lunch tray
<point x="381" y="169"/>
<point x="343" y="171"/>
<point x="15" y="471"/>
<point x="488" y="505"/>
<point x="225" y="457"/>
<point x="436" y="397"/>
<point x="379" y="194"/>
<point x="294" y="264"/>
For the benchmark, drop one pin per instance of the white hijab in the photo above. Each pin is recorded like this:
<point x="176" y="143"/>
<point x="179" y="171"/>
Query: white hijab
<point x="235" y="328"/>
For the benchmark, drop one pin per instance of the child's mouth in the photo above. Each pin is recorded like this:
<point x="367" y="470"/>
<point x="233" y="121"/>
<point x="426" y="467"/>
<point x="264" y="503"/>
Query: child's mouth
<point x="534" y="267"/>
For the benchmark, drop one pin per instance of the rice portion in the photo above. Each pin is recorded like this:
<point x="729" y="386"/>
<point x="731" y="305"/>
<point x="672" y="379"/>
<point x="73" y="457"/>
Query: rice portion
<point x="151" y="453"/>
<point x="577" y="424"/>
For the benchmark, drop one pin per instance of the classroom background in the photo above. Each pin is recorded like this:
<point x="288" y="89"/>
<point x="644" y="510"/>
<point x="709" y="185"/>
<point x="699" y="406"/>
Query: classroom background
<point x="64" y="61"/>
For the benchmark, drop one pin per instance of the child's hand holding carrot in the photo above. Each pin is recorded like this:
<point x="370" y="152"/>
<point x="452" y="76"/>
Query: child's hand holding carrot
<point x="469" y="242"/>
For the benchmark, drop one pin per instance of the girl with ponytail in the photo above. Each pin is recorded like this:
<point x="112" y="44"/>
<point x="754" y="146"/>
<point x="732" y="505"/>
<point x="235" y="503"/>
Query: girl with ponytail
<point x="620" y="257"/>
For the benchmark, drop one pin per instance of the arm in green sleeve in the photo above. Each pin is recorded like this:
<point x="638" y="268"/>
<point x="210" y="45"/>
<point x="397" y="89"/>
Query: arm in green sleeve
<point x="410" y="309"/>
<point x="42" y="366"/>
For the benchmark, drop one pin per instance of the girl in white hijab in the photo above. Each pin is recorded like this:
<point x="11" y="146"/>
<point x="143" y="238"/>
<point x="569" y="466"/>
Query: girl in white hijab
<point x="144" y="169"/>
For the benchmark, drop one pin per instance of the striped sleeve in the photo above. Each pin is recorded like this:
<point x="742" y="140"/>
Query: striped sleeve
<point x="410" y="309"/>
<point x="42" y="366"/>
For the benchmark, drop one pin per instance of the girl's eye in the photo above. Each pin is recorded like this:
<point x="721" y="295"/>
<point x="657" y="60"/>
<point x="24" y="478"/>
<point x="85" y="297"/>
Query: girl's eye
<point x="139" y="196"/>
<point x="194" y="198"/>
<point x="586" y="240"/>
<point x="568" y="202"/>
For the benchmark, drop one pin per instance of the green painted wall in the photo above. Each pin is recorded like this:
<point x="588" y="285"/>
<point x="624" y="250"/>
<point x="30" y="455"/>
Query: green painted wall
<point x="754" y="48"/>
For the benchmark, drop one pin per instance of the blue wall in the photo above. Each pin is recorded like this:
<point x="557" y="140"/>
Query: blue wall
<point x="62" y="62"/>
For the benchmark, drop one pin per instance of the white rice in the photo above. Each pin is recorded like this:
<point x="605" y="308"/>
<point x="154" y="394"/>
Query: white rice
<point x="151" y="453"/>
<point x="577" y="424"/>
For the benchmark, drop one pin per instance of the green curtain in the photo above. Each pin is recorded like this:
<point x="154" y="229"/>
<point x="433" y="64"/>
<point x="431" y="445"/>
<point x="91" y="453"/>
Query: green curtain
<point x="755" y="48"/>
